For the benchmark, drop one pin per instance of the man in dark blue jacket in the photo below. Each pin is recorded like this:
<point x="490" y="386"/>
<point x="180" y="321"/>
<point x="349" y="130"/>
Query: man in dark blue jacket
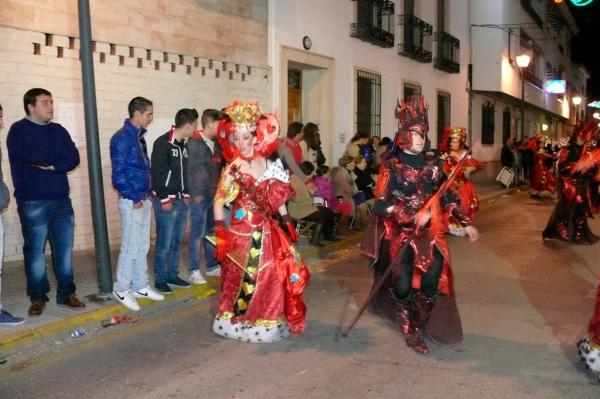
<point x="41" y="153"/>
<point x="131" y="179"/>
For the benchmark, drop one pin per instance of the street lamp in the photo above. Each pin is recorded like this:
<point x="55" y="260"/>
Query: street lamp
<point x="523" y="62"/>
<point x="576" y="102"/>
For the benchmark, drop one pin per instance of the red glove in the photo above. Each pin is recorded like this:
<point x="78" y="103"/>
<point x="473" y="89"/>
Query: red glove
<point x="222" y="238"/>
<point x="291" y="229"/>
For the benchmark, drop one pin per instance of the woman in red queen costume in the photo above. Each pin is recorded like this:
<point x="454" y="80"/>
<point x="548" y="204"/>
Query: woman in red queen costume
<point x="589" y="347"/>
<point x="263" y="276"/>
<point x="541" y="183"/>
<point x="453" y="148"/>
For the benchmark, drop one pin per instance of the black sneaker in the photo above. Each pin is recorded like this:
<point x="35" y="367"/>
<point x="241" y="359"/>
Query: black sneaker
<point x="163" y="288"/>
<point x="179" y="283"/>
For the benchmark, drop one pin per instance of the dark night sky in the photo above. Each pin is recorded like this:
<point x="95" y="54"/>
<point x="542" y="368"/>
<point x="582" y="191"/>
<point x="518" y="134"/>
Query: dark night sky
<point x="585" y="44"/>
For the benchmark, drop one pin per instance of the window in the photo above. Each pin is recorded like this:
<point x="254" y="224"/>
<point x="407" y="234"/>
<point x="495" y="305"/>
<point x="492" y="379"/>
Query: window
<point x="412" y="90"/>
<point x="368" y="103"/>
<point x="487" y="123"/>
<point x="374" y="22"/>
<point x="443" y="114"/>
<point x="506" y="116"/>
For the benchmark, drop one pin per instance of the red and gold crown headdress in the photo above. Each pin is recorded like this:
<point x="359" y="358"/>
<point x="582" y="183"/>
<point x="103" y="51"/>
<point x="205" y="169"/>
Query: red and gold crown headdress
<point x="248" y="116"/>
<point x="451" y="133"/>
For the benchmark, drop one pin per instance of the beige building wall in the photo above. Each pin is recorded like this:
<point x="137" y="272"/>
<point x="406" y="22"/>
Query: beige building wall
<point x="151" y="56"/>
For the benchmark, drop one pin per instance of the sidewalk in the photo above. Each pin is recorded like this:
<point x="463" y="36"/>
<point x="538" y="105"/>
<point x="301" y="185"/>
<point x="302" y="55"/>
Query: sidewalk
<point x="59" y="320"/>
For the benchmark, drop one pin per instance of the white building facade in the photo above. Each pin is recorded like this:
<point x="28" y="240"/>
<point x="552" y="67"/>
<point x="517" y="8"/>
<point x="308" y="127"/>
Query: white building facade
<point x="344" y="64"/>
<point x="500" y="31"/>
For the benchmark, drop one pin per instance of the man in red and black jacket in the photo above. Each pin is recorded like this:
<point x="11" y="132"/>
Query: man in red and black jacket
<point x="169" y="183"/>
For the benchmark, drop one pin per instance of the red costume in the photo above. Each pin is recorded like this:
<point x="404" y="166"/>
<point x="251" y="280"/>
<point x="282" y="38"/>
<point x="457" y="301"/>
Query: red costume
<point x="418" y="293"/>
<point x="576" y="167"/>
<point x="461" y="186"/>
<point x="263" y="277"/>
<point x="542" y="182"/>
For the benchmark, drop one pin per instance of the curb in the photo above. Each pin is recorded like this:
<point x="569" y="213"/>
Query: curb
<point x="13" y="342"/>
<point x="20" y="339"/>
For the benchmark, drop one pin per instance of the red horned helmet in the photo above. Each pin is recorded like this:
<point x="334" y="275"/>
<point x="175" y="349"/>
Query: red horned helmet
<point x="411" y="117"/>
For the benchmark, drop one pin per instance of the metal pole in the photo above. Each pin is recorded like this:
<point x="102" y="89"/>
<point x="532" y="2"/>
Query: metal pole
<point x="522" y="105"/>
<point x="103" y="265"/>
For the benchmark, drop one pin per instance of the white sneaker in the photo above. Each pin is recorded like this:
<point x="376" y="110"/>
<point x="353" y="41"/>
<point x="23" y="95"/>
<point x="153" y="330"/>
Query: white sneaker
<point x="127" y="300"/>
<point x="149" y="293"/>
<point x="197" y="278"/>
<point x="214" y="272"/>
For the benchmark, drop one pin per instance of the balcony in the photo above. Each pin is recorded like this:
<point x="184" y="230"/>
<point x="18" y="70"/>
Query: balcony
<point x="531" y="78"/>
<point x="372" y="34"/>
<point x="448" y="53"/>
<point x="374" y="22"/>
<point x="416" y="38"/>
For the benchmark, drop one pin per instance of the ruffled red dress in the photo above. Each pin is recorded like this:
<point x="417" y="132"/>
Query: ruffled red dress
<point x="542" y="182"/>
<point x="463" y="188"/>
<point x="263" y="278"/>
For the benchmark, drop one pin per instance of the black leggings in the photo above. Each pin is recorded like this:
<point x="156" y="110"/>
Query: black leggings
<point x="429" y="280"/>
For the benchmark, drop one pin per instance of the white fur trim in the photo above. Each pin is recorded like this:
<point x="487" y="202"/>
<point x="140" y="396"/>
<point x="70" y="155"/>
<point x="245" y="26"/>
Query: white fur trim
<point x="275" y="170"/>
<point x="255" y="335"/>
<point x="590" y="356"/>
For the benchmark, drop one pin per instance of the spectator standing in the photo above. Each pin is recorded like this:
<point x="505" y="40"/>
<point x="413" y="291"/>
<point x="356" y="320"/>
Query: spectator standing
<point x="291" y="151"/>
<point x="131" y="179"/>
<point x="310" y="144"/>
<point x="169" y="183"/>
<point x="41" y="153"/>
<point x="5" y="317"/>
<point x="204" y="169"/>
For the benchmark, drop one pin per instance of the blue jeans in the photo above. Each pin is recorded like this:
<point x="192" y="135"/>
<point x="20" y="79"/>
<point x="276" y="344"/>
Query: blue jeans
<point x="170" y="226"/>
<point x="51" y="220"/>
<point x="202" y="223"/>
<point x="132" y="266"/>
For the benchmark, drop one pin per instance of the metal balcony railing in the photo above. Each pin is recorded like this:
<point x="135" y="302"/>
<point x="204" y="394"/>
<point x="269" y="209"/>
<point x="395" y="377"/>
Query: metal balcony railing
<point x="448" y="53"/>
<point x="372" y="34"/>
<point x="374" y="22"/>
<point x="416" y="38"/>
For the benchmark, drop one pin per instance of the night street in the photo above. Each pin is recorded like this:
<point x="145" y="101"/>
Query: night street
<point x="523" y="305"/>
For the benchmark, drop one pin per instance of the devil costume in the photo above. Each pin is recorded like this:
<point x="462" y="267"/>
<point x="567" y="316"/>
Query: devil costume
<point x="576" y="162"/>
<point x="418" y="293"/>
<point x="263" y="277"/>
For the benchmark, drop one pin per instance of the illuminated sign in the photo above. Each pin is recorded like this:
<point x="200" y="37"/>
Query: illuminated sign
<point x="555" y="86"/>
<point x="581" y="3"/>
<point x="594" y="104"/>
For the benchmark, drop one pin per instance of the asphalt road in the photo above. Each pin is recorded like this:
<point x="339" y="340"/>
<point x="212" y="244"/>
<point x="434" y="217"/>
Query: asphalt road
<point x="523" y="303"/>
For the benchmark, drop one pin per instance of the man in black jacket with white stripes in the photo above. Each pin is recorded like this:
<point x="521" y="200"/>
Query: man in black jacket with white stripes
<point x="169" y="183"/>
